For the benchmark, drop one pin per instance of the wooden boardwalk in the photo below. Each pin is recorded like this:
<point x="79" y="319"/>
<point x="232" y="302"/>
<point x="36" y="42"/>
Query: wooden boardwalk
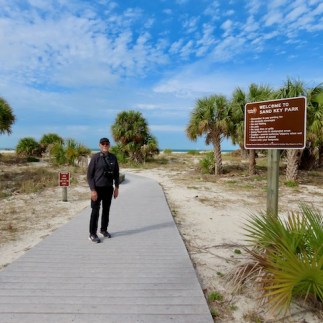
<point x="142" y="274"/>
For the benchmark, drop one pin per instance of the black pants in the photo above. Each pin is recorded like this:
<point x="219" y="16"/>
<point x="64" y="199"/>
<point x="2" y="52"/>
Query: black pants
<point x="104" y="195"/>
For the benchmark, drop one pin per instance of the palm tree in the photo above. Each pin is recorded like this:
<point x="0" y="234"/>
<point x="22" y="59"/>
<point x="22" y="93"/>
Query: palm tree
<point x="130" y="131"/>
<point x="256" y="93"/>
<point x="315" y="121"/>
<point x="237" y="105"/>
<point x="292" y="89"/>
<point x="7" y="118"/>
<point x="210" y="117"/>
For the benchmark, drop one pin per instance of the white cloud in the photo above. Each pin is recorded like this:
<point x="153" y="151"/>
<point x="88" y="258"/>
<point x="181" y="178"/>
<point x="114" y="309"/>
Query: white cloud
<point x="190" y="25"/>
<point x="253" y="6"/>
<point x="318" y="10"/>
<point x="230" y="13"/>
<point x="193" y="82"/>
<point x="206" y="41"/>
<point x="228" y="48"/>
<point x="296" y="13"/>
<point x="251" y="25"/>
<point x="227" y="27"/>
<point x="273" y="17"/>
<point x="168" y="11"/>
<point x="213" y="10"/>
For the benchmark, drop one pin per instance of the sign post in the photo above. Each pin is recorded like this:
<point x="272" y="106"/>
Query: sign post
<point x="274" y="125"/>
<point x="273" y="181"/>
<point x="64" y="182"/>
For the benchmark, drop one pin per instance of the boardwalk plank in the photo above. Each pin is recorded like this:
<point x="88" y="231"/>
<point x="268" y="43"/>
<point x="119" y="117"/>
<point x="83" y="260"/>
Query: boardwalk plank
<point x="142" y="274"/>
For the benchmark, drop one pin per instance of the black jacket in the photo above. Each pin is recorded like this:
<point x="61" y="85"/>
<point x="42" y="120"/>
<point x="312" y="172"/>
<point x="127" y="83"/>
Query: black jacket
<point x="98" y="171"/>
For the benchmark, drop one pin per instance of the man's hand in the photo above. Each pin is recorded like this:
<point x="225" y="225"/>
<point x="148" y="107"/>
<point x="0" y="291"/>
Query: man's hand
<point x="116" y="192"/>
<point x="94" y="196"/>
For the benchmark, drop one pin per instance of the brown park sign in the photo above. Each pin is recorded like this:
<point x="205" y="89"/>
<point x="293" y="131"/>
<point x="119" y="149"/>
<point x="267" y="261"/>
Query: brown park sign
<point x="276" y="124"/>
<point x="64" y="179"/>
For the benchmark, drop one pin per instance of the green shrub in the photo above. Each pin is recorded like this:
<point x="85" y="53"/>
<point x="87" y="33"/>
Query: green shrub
<point x="167" y="151"/>
<point x="286" y="257"/>
<point x="193" y="152"/>
<point x="215" y="296"/>
<point x="28" y="146"/>
<point x="291" y="184"/>
<point x="120" y="154"/>
<point x="207" y="164"/>
<point x="68" y="152"/>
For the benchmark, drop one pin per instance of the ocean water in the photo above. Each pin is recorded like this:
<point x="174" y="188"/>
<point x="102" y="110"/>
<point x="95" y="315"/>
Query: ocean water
<point x="182" y="150"/>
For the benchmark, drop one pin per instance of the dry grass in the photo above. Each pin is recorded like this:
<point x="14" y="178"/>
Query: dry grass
<point x="24" y="188"/>
<point x="235" y="171"/>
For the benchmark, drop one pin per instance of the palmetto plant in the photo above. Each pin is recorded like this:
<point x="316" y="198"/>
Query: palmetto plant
<point x="68" y="152"/>
<point x="315" y="120"/>
<point x="48" y="140"/>
<point x="28" y="147"/>
<point x="286" y="257"/>
<point x="7" y="118"/>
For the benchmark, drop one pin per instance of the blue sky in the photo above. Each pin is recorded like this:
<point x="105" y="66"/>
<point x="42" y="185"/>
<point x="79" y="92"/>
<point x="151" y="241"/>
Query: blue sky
<point x="70" y="66"/>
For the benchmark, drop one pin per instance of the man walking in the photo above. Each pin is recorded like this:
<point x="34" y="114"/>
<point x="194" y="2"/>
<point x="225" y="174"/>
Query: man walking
<point x="102" y="172"/>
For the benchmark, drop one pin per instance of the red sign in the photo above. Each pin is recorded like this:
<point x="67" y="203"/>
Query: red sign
<point x="276" y="124"/>
<point x="64" y="179"/>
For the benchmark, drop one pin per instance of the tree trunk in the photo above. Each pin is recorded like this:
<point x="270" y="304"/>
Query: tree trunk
<point x="244" y="152"/>
<point x="217" y="154"/>
<point x="320" y="156"/>
<point x="293" y="159"/>
<point x="308" y="160"/>
<point x="252" y="162"/>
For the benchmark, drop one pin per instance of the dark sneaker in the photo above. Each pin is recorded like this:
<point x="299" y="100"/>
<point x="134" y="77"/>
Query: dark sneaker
<point x="106" y="234"/>
<point x="94" y="238"/>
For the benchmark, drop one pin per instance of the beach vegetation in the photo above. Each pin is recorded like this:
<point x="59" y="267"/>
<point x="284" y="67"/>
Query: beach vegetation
<point x="290" y="89"/>
<point x="253" y="316"/>
<point x="120" y="154"/>
<point x="239" y="99"/>
<point x="290" y="183"/>
<point x="215" y="117"/>
<point x="193" y="152"/>
<point x="207" y="163"/>
<point x="215" y="296"/>
<point x="210" y="118"/>
<point x="131" y="133"/>
<point x="214" y="312"/>
<point x="314" y="146"/>
<point x="48" y="140"/>
<point x="285" y="258"/>
<point x="28" y="147"/>
<point x="7" y="117"/>
<point x="68" y="152"/>
<point x="167" y="151"/>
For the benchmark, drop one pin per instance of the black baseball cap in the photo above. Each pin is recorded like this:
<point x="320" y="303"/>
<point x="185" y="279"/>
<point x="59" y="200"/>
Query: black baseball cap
<point x="102" y="140"/>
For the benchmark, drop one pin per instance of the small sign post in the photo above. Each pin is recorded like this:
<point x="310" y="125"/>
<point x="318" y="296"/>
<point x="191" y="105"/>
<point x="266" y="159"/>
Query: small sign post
<point x="274" y="125"/>
<point x="64" y="182"/>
